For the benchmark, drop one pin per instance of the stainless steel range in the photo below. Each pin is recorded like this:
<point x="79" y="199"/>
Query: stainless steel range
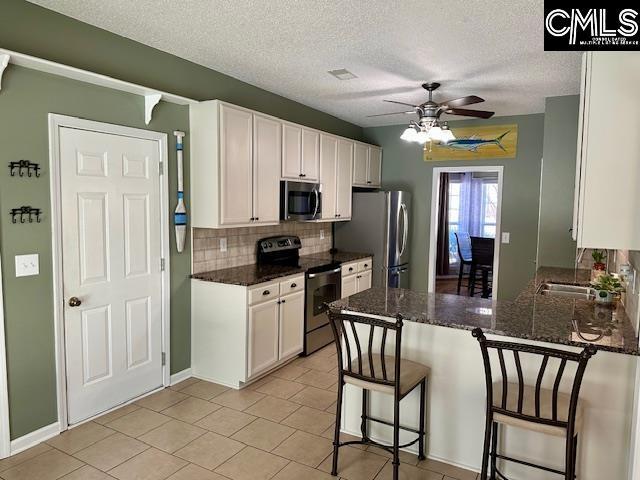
<point x="323" y="285"/>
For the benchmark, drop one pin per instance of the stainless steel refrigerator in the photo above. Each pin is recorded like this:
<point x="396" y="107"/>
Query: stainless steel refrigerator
<point x="380" y="224"/>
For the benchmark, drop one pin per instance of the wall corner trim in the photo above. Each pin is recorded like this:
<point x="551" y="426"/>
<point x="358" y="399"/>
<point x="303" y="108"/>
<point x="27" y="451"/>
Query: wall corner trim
<point x="180" y="376"/>
<point x="32" y="439"/>
<point x="4" y="61"/>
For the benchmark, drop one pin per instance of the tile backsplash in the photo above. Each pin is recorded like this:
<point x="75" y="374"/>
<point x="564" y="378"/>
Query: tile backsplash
<point x="241" y="243"/>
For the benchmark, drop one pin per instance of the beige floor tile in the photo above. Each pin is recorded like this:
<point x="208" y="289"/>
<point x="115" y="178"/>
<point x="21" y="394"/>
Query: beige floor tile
<point x="290" y="372"/>
<point x="87" y="473"/>
<point x="172" y="435"/>
<point x="334" y="387"/>
<point x="315" y="397"/>
<point x="310" y="420"/>
<point x="210" y="450"/>
<point x="405" y="457"/>
<point x="331" y="408"/>
<point x="263" y="434"/>
<point x="160" y="400"/>
<point x="295" y="471"/>
<point x="111" y="452"/>
<point x="120" y="412"/>
<point x="204" y="390"/>
<point x="317" y="379"/>
<point x="355" y="464"/>
<point x="194" y="472"/>
<point x="151" y="464"/>
<point x="272" y="408"/>
<point x="280" y="388"/>
<point x="80" y="437"/>
<point x="305" y="448"/>
<point x="21" y="457"/>
<point x="238" y="399"/>
<point x="50" y="465"/>
<point x="408" y="472"/>
<point x="321" y="363"/>
<point x="327" y="351"/>
<point x="138" y="422"/>
<point x="191" y="409"/>
<point x="252" y="464"/>
<point x="225" y="421"/>
<point x="448" y="470"/>
<point x="258" y="383"/>
<point x="184" y="384"/>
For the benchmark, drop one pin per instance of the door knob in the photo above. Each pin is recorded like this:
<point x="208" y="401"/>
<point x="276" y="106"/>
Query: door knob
<point x="75" y="302"/>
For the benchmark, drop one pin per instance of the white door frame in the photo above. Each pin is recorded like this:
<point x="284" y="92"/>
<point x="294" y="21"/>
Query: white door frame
<point x="5" y="434"/>
<point x="55" y="123"/>
<point x="435" y="206"/>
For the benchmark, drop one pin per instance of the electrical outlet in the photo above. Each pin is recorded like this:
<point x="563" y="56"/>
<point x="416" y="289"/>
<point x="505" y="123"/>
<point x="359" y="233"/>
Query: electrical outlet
<point x="27" y="265"/>
<point x="506" y="237"/>
<point x="223" y="244"/>
<point x="321" y="234"/>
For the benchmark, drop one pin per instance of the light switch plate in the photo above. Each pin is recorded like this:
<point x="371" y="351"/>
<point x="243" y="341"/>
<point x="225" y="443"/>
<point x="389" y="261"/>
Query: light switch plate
<point x="223" y="244"/>
<point x="27" y="265"/>
<point x="321" y="234"/>
<point x="506" y="237"/>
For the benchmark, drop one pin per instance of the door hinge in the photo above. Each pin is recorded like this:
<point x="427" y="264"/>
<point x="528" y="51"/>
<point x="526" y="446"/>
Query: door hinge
<point x="162" y="263"/>
<point x="161" y="168"/>
<point x="164" y="359"/>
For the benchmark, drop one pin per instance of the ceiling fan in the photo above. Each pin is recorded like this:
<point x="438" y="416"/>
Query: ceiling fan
<point x="429" y="127"/>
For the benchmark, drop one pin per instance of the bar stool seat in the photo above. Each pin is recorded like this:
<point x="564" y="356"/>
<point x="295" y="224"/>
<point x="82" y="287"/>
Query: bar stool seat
<point x="411" y="374"/>
<point x="529" y="409"/>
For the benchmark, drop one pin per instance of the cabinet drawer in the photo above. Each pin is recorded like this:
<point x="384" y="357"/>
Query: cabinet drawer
<point x="264" y="292"/>
<point x="292" y="284"/>
<point x="349" y="268"/>
<point x="364" y="265"/>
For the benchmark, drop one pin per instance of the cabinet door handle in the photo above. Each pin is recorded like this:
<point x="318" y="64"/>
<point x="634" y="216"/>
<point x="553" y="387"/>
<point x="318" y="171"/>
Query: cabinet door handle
<point x="282" y="301"/>
<point x="266" y="292"/>
<point x="351" y="269"/>
<point x="369" y="181"/>
<point x="366" y="265"/>
<point x="294" y="285"/>
<point x="257" y="218"/>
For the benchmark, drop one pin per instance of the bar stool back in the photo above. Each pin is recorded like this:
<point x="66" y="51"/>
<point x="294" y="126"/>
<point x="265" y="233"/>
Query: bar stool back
<point x="534" y="408"/>
<point x="367" y="360"/>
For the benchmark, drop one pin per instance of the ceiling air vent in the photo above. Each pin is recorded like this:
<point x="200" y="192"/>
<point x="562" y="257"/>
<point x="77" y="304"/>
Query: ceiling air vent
<point x="342" y="74"/>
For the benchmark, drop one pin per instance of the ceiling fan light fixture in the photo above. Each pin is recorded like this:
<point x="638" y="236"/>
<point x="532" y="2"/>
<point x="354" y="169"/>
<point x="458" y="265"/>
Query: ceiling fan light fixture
<point x="422" y="137"/>
<point x="447" y="135"/>
<point x="435" y="134"/>
<point x="409" y="134"/>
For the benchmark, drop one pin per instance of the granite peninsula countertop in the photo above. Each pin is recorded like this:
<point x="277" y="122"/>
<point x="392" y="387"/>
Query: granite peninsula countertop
<point x="530" y="316"/>
<point x="254" y="274"/>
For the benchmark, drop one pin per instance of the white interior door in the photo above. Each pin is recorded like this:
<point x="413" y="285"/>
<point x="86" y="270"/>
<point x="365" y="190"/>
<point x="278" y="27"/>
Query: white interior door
<point x="111" y="246"/>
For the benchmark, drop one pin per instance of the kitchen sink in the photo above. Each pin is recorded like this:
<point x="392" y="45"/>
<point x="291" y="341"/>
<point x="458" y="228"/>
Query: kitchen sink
<point x="566" y="290"/>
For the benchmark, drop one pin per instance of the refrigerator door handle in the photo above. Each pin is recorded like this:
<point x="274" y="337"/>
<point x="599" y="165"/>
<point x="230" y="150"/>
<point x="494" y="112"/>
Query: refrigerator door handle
<point x="405" y="230"/>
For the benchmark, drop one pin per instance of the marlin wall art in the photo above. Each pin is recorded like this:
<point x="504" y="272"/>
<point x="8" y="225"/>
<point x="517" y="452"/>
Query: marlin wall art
<point x="472" y="143"/>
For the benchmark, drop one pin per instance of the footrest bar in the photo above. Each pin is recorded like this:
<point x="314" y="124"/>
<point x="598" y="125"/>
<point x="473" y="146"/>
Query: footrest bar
<point x="529" y="464"/>
<point x="390" y="424"/>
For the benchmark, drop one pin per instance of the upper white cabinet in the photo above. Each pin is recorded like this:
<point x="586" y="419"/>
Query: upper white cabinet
<point x="608" y="159"/>
<point x="367" y="165"/>
<point x="300" y="153"/>
<point x="336" y="161"/>
<point x="235" y="163"/>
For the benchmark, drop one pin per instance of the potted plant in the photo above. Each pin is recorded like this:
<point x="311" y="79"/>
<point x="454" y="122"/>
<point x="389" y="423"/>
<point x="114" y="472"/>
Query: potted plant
<point x="599" y="267"/>
<point x="606" y="287"/>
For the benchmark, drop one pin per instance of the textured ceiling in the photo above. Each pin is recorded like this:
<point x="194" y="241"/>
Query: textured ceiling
<point x="493" y="49"/>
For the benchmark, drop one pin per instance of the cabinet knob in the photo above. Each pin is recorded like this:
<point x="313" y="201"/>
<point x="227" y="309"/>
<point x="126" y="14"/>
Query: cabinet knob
<point x="294" y="285"/>
<point x="257" y="218"/>
<point x="351" y="269"/>
<point x="251" y="219"/>
<point x="266" y="292"/>
<point x="369" y="181"/>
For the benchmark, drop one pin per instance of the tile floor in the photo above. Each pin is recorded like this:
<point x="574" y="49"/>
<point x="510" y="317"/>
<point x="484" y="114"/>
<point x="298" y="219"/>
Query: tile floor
<point x="279" y="428"/>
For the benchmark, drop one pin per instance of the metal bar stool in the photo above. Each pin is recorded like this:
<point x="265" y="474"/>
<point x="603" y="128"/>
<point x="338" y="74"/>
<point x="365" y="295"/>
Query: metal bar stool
<point x="362" y="365"/>
<point x="533" y="408"/>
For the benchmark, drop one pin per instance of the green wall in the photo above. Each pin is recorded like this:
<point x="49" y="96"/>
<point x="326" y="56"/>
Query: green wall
<point x="404" y="168"/>
<point x="556" y="248"/>
<point x="33" y="30"/>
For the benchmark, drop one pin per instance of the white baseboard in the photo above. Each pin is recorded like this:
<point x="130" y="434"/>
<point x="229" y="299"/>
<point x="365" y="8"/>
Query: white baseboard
<point x="32" y="439"/>
<point x="180" y="376"/>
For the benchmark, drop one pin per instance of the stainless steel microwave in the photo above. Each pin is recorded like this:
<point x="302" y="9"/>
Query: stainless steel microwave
<point x="300" y="201"/>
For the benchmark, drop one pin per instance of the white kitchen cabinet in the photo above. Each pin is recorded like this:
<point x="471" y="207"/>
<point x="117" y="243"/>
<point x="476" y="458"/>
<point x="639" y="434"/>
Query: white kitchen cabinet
<point x="235" y="160"/>
<point x="301" y="153"/>
<point x="367" y="165"/>
<point x="608" y="166"/>
<point x="240" y="333"/>
<point x="349" y="286"/>
<point x="344" y="176"/>
<point x="336" y="159"/>
<point x="356" y="277"/>
<point x="291" y="329"/>
<point x="364" y="280"/>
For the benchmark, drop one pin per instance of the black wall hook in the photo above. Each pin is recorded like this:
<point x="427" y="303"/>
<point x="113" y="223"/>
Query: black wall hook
<point x="25" y="211"/>
<point x="22" y="165"/>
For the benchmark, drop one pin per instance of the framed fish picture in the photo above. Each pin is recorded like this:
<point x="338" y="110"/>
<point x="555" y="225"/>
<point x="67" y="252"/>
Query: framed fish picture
<point x="474" y="143"/>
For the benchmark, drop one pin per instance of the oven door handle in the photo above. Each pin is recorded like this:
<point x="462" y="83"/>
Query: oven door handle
<point x="314" y="275"/>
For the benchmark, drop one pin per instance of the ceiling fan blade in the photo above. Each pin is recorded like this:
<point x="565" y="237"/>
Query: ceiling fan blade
<point x="469" y="113"/>
<point x="401" y="103"/>
<point x="462" y="101"/>
<point x="392" y="113"/>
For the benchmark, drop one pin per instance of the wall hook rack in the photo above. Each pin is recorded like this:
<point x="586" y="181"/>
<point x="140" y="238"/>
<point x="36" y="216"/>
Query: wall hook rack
<point x="26" y="214"/>
<point x="24" y="165"/>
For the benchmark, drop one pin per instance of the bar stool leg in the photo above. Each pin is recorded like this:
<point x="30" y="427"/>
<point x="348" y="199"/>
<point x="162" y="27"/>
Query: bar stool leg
<point x="575" y="455"/>
<point x="365" y="414"/>
<point x="494" y="450"/>
<point x="336" y="436"/>
<point x="396" y="437"/>
<point x="487" y="446"/>
<point x="423" y="399"/>
<point x="570" y="470"/>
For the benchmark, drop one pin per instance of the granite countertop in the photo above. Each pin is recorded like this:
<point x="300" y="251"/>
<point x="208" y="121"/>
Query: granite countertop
<point x="530" y="316"/>
<point x="254" y="274"/>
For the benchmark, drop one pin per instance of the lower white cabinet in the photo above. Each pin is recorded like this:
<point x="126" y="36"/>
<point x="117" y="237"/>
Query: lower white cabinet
<point x="356" y="277"/>
<point x="239" y="333"/>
